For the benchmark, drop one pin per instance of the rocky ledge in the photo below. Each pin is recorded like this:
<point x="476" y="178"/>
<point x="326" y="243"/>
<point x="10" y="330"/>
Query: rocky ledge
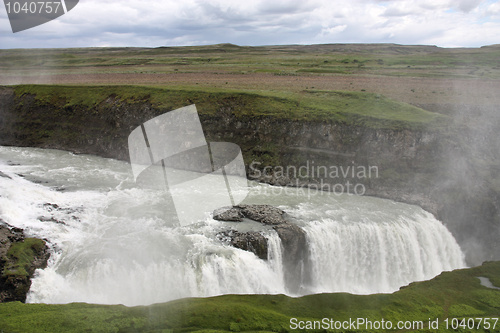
<point x="293" y="238"/>
<point x="19" y="258"/>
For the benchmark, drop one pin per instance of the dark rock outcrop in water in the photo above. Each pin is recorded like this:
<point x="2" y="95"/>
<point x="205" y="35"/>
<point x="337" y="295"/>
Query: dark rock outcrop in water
<point x="251" y="241"/>
<point x="19" y="258"/>
<point x="265" y="214"/>
<point x="3" y="175"/>
<point x="293" y="239"/>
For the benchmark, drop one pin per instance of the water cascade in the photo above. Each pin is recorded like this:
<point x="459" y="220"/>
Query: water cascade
<point x="115" y="243"/>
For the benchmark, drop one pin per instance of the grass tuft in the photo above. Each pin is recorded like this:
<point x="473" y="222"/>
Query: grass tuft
<point x="20" y="257"/>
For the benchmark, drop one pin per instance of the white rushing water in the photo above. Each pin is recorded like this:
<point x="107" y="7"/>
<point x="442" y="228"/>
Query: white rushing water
<point x="115" y="243"/>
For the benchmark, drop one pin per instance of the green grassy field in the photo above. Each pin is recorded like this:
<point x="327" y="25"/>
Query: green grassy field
<point x="428" y="77"/>
<point x="361" y="108"/>
<point x="453" y="295"/>
<point x="375" y="59"/>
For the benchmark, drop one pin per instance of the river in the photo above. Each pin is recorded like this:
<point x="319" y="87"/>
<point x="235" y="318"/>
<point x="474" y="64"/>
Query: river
<point x="113" y="242"/>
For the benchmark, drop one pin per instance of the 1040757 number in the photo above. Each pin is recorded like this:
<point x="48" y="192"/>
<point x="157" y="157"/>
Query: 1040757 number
<point x="471" y="323"/>
<point x="34" y="7"/>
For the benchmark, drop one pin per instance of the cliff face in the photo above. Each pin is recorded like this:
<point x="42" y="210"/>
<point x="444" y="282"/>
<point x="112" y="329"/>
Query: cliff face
<point x="401" y="164"/>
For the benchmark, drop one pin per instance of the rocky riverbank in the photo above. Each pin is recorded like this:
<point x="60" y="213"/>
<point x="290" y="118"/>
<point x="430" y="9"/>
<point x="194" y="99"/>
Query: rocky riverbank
<point x="19" y="258"/>
<point x="450" y="172"/>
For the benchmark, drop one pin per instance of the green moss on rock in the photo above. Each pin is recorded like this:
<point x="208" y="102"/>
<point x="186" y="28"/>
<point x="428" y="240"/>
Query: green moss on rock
<point x="21" y="255"/>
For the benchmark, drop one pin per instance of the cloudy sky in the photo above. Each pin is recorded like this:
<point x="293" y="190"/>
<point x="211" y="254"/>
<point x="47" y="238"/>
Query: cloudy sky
<point x="152" y="23"/>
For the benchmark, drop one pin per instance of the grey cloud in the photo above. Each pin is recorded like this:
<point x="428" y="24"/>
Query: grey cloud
<point x="284" y="7"/>
<point x="467" y="5"/>
<point x="396" y="12"/>
<point x="214" y="11"/>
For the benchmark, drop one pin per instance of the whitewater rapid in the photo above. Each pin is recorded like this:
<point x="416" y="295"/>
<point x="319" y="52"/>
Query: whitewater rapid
<point x="115" y="243"/>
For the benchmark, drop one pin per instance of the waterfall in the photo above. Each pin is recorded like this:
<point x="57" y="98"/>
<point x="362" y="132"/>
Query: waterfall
<point x="369" y="256"/>
<point x="113" y="243"/>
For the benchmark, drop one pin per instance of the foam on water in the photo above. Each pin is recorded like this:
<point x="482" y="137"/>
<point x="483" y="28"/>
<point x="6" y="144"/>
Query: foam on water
<point x="113" y="242"/>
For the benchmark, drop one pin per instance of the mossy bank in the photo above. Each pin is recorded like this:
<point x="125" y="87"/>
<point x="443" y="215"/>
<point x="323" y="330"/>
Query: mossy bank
<point x="452" y="302"/>
<point x="19" y="258"/>
<point x="414" y="151"/>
